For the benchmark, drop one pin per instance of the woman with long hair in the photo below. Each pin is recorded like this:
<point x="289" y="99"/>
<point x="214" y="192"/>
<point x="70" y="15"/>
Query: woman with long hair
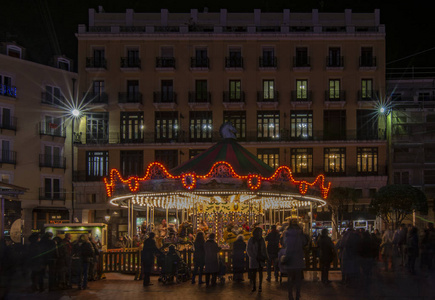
<point x="198" y="257"/>
<point x="257" y="254"/>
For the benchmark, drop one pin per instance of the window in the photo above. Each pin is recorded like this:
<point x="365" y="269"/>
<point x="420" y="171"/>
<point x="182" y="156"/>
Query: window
<point x="167" y="91"/>
<point x="6" y="119"/>
<point x="132" y="163"/>
<point x="52" y="95"/>
<point x="235" y="93"/>
<point x="334" y="124"/>
<point x="98" y="87"/>
<point x="97" y="128"/>
<point x="269" y="156"/>
<point x="132" y="95"/>
<point x="367" y="92"/>
<point x="133" y="60"/>
<point x="268" y="90"/>
<point x="13" y="51"/>
<point x="6" y="177"/>
<point x="238" y="119"/>
<point x="301" y="59"/>
<point x="367" y="124"/>
<point x="132" y="127"/>
<point x="63" y="64"/>
<point x="53" y="157"/>
<point x="301" y="124"/>
<point x="6" y="88"/>
<point x="301" y="90"/>
<point x="334" y="160"/>
<point x="235" y="59"/>
<point x="401" y="177"/>
<point x="268" y="60"/>
<point x="268" y="125"/>
<point x="201" y="125"/>
<point x="52" y="189"/>
<point x="52" y="125"/>
<point x="97" y="164"/>
<point x="334" y="90"/>
<point x="97" y="95"/>
<point x="195" y="152"/>
<point x="367" y="59"/>
<point x="169" y="158"/>
<point x="334" y="57"/>
<point x="99" y="58"/>
<point x="302" y="160"/>
<point x="166" y="123"/>
<point x="7" y="156"/>
<point x="166" y="60"/>
<point x="201" y="91"/>
<point x="367" y="160"/>
<point x="424" y="96"/>
<point x="201" y="59"/>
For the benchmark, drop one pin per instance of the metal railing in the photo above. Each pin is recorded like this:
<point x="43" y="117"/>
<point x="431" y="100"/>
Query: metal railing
<point x="165" y="62"/>
<point x="267" y="96"/>
<point x="125" y="97"/>
<point x="301" y="62"/>
<point x="233" y="62"/>
<point x="335" y="96"/>
<point x="8" y="157"/>
<point x="297" y="96"/>
<point x="52" y="129"/>
<point x="96" y="98"/>
<point x="368" y="95"/>
<point x="202" y="97"/>
<point x="96" y="63"/>
<point x="268" y="62"/>
<point x="334" y="61"/>
<point x="197" y="62"/>
<point x="367" y="61"/>
<point x="8" y="123"/>
<point x="52" y="161"/>
<point x="130" y="62"/>
<point x="165" y="97"/>
<point x="233" y="97"/>
<point x="49" y="98"/>
<point x="52" y="195"/>
<point x="8" y="90"/>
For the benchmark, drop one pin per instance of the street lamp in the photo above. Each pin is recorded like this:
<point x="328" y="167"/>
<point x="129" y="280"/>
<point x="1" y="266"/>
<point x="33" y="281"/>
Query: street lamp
<point x="74" y="114"/>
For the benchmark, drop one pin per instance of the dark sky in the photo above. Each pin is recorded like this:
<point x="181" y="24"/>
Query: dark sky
<point x="47" y="27"/>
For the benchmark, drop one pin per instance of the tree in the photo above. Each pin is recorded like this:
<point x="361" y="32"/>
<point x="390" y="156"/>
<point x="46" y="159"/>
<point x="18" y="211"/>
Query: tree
<point x="394" y="202"/>
<point x="338" y="198"/>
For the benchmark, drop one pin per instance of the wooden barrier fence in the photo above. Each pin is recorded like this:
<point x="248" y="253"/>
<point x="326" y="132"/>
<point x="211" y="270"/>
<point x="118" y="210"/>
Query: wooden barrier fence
<point x="130" y="261"/>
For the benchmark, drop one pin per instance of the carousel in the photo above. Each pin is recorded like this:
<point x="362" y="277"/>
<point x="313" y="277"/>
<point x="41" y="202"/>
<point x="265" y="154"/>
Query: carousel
<point x="225" y="190"/>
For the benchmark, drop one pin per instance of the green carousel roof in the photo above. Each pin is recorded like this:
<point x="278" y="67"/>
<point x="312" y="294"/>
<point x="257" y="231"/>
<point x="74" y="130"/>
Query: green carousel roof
<point x="228" y="150"/>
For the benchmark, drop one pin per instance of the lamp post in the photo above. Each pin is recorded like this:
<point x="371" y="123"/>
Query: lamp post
<point x="75" y="114"/>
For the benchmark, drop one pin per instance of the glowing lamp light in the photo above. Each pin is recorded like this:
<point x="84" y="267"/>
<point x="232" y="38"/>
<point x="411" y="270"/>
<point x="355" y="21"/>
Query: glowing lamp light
<point x="382" y="110"/>
<point x="75" y="112"/>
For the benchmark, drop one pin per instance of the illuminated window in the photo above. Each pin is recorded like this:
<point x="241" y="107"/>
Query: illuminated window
<point x="334" y="160"/>
<point x="269" y="156"/>
<point x="268" y="90"/>
<point x="301" y="90"/>
<point x="367" y="160"/>
<point x="302" y="161"/>
<point x="268" y="125"/>
<point x="97" y="128"/>
<point x="367" y="92"/>
<point x="201" y="126"/>
<point x="166" y="123"/>
<point x="301" y="124"/>
<point x="97" y="164"/>
<point x="334" y="90"/>
<point x="132" y="127"/>
<point x="238" y="119"/>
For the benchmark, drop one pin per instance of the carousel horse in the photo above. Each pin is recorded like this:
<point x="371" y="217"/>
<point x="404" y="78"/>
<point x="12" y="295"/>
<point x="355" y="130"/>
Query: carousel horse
<point x="228" y="131"/>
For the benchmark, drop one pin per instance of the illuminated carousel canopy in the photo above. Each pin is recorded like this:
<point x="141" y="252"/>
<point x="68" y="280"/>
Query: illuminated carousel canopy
<point x="225" y="173"/>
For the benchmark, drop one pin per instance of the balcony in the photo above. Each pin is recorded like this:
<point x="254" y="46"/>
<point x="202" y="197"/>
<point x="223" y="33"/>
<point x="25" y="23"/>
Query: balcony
<point x="50" y="99"/>
<point x="52" y="129"/>
<point x="334" y="62"/>
<point x="164" y="100"/>
<point x="130" y="63"/>
<point x="367" y="62"/>
<point x="58" y="195"/>
<point x="335" y="98"/>
<point x="81" y="176"/>
<point x="52" y="161"/>
<point x="97" y="139"/>
<point x="165" y="63"/>
<point x="234" y="63"/>
<point x="8" y="157"/>
<point x="199" y="63"/>
<point x="8" y="123"/>
<point x="368" y="95"/>
<point x="233" y="99"/>
<point x="268" y="62"/>
<point x="267" y="99"/>
<point x="199" y="99"/>
<point x="96" y="98"/>
<point x="301" y="62"/>
<point x="8" y="91"/>
<point x="129" y="98"/>
<point x="96" y="63"/>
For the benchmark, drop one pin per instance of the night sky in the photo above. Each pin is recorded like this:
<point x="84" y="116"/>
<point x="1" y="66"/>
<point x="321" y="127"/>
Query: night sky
<point x="47" y="27"/>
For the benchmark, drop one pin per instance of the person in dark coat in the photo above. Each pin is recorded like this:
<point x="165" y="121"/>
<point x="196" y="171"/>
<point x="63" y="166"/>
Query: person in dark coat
<point x="148" y="252"/>
<point x="413" y="249"/>
<point x="35" y="262"/>
<point x="239" y="255"/>
<point x="86" y="255"/>
<point x="66" y="276"/>
<point x="272" y="240"/>
<point x="326" y="254"/>
<point x="211" y="259"/>
<point x="8" y="266"/>
<point x="368" y="253"/>
<point x="350" y="258"/>
<point x="49" y="256"/>
<point x="60" y="262"/>
<point x="257" y="254"/>
<point x="293" y="263"/>
<point x="198" y="257"/>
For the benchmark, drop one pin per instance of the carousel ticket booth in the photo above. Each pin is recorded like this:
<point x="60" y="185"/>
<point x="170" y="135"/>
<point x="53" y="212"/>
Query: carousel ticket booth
<point x="98" y="231"/>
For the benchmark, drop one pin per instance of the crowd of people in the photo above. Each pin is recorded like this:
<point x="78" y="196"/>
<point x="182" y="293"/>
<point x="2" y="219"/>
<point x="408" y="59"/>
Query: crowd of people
<point x="54" y="258"/>
<point x="279" y="251"/>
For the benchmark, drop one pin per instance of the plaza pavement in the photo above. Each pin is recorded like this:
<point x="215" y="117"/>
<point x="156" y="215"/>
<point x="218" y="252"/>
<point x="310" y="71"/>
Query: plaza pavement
<point x="392" y="286"/>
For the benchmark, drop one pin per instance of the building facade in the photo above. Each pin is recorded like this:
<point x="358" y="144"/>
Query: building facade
<point x="35" y="150"/>
<point x="302" y="89"/>
<point x="412" y="151"/>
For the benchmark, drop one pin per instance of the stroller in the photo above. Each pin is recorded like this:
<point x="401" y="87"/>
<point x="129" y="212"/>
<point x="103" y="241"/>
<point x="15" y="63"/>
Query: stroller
<point x="173" y="268"/>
